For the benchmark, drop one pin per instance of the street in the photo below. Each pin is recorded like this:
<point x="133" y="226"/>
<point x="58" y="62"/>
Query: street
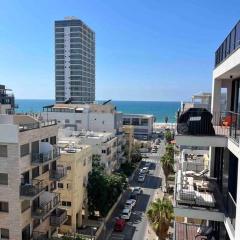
<point x="136" y="227"/>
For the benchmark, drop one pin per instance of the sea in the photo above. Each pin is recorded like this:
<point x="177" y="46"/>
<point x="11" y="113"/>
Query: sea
<point x="159" y="109"/>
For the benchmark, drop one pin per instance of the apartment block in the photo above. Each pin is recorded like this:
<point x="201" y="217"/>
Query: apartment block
<point x="74" y="61"/>
<point x="104" y="144"/>
<point x="129" y="137"/>
<point x="211" y="194"/>
<point x="77" y="159"/>
<point x="28" y="161"/>
<point x="7" y="101"/>
<point x="142" y="123"/>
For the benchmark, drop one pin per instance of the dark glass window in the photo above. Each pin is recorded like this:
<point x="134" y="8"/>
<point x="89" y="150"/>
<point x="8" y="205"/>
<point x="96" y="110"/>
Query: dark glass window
<point x="233" y="39"/>
<point x="3" y="179"/>
<point x="3" y="206"/>
<point x="60" y="185"/>
<point x="45" y="168"/>
<point x="4" y="233"/>
<point x="3" y="151"/>
<point x="24" y="150"/>
<point x="35" y="172"/>
<point x="238" y="35"/>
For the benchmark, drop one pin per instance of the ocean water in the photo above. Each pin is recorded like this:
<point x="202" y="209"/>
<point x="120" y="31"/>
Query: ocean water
<point x="159" y="109"/>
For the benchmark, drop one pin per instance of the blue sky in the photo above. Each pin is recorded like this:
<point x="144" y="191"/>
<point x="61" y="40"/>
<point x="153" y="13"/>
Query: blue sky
<point x="145" y="50"/>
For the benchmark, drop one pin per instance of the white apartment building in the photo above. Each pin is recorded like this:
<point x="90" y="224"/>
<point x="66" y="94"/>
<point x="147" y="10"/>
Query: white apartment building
<point x="104" y="144"/>
<point x="28" y="173"/>
<point x="142" y="124"/>
<point x="213" y="198"/>
<point x="89" y="117"/>
<point x="74" y="61"/>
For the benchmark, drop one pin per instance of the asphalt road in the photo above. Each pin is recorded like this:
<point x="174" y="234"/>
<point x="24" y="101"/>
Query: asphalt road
<point x="136" y="227"/>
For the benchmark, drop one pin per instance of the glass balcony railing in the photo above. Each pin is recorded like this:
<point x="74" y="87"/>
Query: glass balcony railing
<point x="230" y="44"/>
<point x="58" y="174"/>
<point x="32" y="189"/>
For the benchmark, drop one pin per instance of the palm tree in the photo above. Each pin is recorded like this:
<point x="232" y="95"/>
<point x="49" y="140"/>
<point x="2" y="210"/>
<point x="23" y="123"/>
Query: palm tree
<point x="160" y="215"/>
<point x="167" y="162"/>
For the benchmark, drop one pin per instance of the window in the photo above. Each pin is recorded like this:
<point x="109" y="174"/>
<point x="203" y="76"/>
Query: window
<point x="3" y="206"/>
<point x="3" y="151"/>
<point x="25" y="205"/>
<point x="60" y="185"/>
<point x="66" y="204"/>
<point x="69" y="168"/>
<point x="53" y="140"/>
<point x="3" y="179"/>
<point x="45" y="168"/>
<point x="103" y="151"/>
<point x="67" y="121"/>
<point x="4" y="233"/>
<point x="78" y="121"/>
<point x="69" y="221"/>
<point x="24" y="150"/>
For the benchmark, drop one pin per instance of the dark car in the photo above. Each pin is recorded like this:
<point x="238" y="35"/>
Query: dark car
<point x="119" y="224"/>
<point x="133" y="195"/>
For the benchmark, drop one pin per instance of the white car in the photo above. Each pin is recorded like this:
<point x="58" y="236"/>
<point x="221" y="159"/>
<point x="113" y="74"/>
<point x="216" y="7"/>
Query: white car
<point x="126" y="213"/>
<point x="145" y="170"/>
<point x="130" y="203"/>
<point x="137" y="190"/>
<point x="141" y="178"/>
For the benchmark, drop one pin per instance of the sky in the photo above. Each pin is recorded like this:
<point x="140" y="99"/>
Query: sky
<point x="145" y="50"/>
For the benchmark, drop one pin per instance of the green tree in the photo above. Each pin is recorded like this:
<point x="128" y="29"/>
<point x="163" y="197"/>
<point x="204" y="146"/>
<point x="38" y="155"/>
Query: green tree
<point x="160" y="215"/>
<point x="167" y="163"/>
<point x="168" y="136"/>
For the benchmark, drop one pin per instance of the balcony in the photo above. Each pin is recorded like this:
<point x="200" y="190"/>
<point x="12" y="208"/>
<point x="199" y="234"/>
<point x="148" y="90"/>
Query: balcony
<point x="46" y="156"/>
<point x="35" y="125"/>
<point x="58" y="217"/>
<point x="58" y="175"/>
<point x="32" y="190"/>
<point x="185" y="231"/>
<point x="198" y="127"/>
<point x="47" y="204"/>
<point x="197" y="196"/>
<point x="39" y="235"/>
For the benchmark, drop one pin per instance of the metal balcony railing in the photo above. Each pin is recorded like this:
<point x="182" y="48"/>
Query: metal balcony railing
<point x="30" y="126"/>
<point x="231" y="209"/>
<point x="36" y="235"/>
<point x="58" y="217"/>
<point x="40" y="158"/>
<point x="32" y="189"/>
<point x="45" y="208"/>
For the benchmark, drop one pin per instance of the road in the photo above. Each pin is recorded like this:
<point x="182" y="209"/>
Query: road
<point x="136" y="227"/>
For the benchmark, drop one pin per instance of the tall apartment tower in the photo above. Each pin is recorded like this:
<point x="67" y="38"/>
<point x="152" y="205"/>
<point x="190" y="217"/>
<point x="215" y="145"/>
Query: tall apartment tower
<point x="74" y="61"/>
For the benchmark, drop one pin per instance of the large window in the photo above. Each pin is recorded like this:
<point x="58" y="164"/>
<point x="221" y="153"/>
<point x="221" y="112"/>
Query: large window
<point x="4" y="233"/>
<point x="3" y="179"/>
<point x="3" y="151"/>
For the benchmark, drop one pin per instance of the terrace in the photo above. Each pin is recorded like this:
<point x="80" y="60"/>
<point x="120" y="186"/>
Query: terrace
<point x="32" y="190"/>
<point x="35" y="125"/>
<point x="58" y="174"/>
<point x="197" y="195"/>
<point x="58" y="217"/>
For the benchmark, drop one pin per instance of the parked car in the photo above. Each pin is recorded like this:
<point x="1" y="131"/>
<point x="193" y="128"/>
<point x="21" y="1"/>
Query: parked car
<point x="147" y="164"/>
<point x="137" y="190"/>
<point x="130" y="203"/>
<point x="126" y="213"/>
<point x="141" y="178"/>
<point x="145" y="169"/>
<point x="133" y="196"/>
<point x="119" y="225"/>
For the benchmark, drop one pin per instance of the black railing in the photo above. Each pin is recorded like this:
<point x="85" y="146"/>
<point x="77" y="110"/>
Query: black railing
<point x="35" y="125"/>
<point x="204" y="123"/>
<point x="230" y="44"/>
<point x="40" y="158"/>
<point x="31" y="189"/>
<point x="58" y="217"/>
<point x="45" y="207"/>
<point x="58" y="174"/>
<point x="231" y="209"/>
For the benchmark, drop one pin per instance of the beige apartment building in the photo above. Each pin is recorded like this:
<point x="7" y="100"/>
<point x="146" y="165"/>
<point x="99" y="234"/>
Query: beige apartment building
<point x="28" y="173"/>
<point x="129" y="137"/>
<point x="78" y="161"/>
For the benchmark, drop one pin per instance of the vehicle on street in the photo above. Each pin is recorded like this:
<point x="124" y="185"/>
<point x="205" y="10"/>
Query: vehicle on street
<point x="130" y="204"/>
<point x="137" y="190"/>
<point x="145" y="170"/>
<point x="154" y="150"/>
<point x="141" y="178"/>
<point x="148" y="164"/>
<point x="119" y="225"/>
<point x="133" y="196"/>
<point x="126" y="213"/>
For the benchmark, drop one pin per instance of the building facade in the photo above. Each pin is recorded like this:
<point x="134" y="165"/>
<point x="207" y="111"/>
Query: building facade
<point x="142" y="124"/>
<point x="28" y="168"/>
<point x="74" y="61"/>
<point x="7" y="101"/>
<point x="77" y="159"/>
<point x="215" y="200"/>
<point x="129" y="137"/>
